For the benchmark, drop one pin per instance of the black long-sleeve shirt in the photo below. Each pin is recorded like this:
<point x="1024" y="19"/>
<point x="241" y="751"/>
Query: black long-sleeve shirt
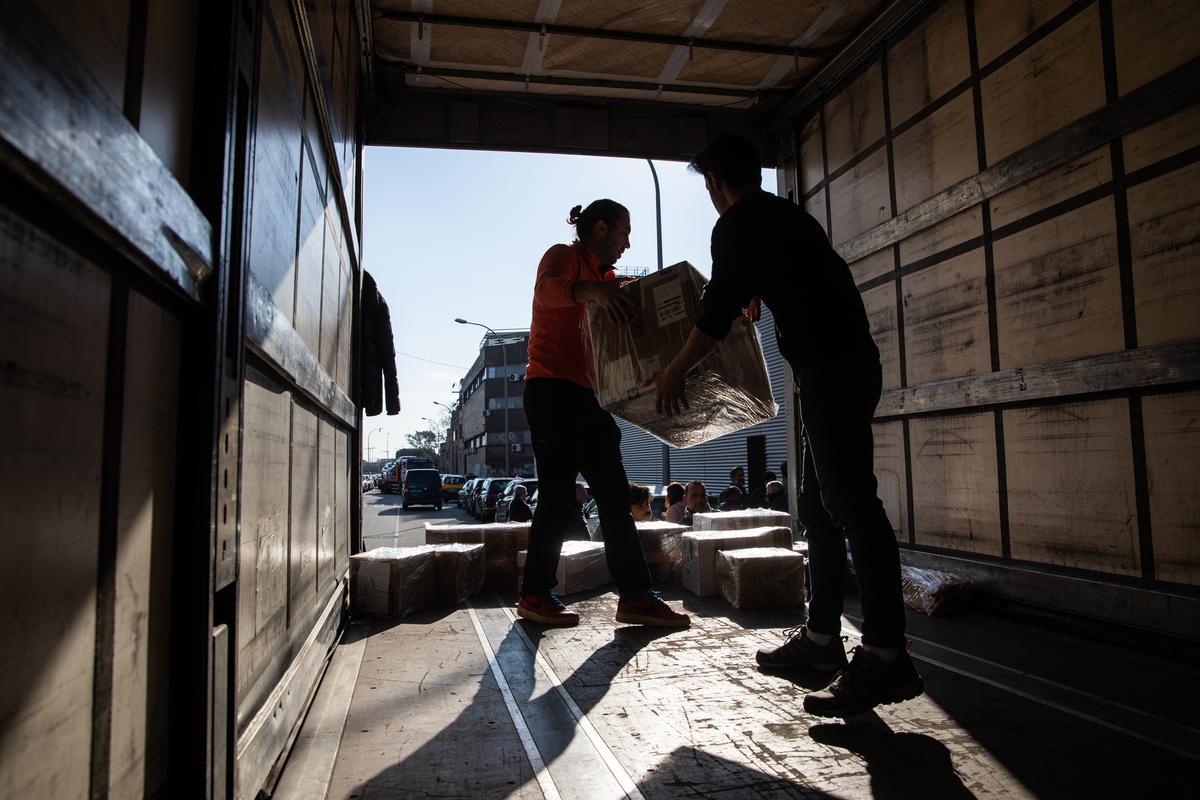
<point x="767" y="246"/>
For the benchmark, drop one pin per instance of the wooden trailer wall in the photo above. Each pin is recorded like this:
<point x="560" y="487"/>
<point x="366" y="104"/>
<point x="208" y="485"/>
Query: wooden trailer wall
<point x="179" y="263"/>
<point x="1016" y="186"/>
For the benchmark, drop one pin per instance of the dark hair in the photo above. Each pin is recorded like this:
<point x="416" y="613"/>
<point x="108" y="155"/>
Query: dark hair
<point x="768" y="476"/>
<point x="638" y="494"/>
<point x="583" y="219"/>
<point x="734" y="159"/>
<point x="731" y="493"/>
<point x="675" y="492"/>
<point x="736" y="469"/>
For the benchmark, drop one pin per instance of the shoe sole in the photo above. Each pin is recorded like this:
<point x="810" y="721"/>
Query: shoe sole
<point x="533" y="616"/>
<point x="901" y="695"/>
<point x="830" y="667"/>
<point x="657" y="622"/>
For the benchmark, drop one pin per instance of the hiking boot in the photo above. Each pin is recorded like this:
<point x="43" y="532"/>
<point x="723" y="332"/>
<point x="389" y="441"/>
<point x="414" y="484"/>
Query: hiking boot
<point x="546" y="609"/>
<point x="801" y="652"/>
<point x="866" y="682"/>
<point x="649" y="609"/>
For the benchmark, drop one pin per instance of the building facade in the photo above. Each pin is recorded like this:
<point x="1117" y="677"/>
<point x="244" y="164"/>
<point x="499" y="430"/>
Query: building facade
<point x="495" y="443"/>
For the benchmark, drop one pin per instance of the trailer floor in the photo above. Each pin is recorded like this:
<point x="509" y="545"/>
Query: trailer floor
<point x="470" y="703"/>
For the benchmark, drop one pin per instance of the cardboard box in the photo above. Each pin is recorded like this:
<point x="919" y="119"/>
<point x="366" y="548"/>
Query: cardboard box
<point x="460" y="571"/>
<point x="742" y="519"/>
<point x="500" y="540"/>
<point x="392" y="581"/>
<point x="662" y="544"/>
<point x="761" y="577"/>
<point x="581" y="566"/>
<point x="698" y="570"/>
<point x="728" y="391"/>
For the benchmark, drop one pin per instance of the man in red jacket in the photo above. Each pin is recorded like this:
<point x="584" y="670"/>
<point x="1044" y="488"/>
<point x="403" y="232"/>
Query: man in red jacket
<point x="571" y="433"/>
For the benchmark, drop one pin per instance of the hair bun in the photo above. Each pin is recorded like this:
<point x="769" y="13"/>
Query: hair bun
<point x="573" y="217"/>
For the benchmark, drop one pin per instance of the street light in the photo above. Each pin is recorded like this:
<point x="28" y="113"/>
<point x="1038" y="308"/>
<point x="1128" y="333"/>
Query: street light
<point x="450" y="446"/>
<point x="666" y="450"/>
<point x="504" y="356"/>
<point x="369" y="435"/>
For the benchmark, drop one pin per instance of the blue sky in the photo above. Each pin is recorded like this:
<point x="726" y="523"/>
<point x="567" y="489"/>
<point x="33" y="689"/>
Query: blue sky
<point x="458" y="233"/>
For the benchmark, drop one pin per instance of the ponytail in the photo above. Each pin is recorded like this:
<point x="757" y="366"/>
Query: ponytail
<point x="583" y="219"/>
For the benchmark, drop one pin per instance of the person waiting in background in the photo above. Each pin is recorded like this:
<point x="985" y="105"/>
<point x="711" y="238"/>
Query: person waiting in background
<point x="577" y="528"/>
<point x="731" y="499"/>
<point x="639" y="503"/>
<point x="737" y="477"/>
<point x="695" y="501"/>
<point x="758" y="497"/>
<point x="518" y="507"/>
<point x="777" y="499"/>
<point x="675" y="504"/>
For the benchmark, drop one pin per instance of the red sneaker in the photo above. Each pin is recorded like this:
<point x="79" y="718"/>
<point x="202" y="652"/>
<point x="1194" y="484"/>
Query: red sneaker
<point x="649" y="609"/>
<point x="546" y="609"/>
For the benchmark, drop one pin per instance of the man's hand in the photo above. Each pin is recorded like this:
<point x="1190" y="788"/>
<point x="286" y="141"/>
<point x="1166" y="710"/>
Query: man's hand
<point x="753" y="311"/>
<point x="608" y="295"/>
<point x="669" y="398"/>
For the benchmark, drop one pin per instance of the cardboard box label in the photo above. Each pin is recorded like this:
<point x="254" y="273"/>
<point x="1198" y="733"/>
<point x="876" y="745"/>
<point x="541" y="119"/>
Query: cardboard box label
<point x="668" y="302"/>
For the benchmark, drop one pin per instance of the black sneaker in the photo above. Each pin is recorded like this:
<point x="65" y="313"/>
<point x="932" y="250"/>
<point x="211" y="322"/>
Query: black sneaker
<point x="801" y="652"/>
<point x="865" y="683"/>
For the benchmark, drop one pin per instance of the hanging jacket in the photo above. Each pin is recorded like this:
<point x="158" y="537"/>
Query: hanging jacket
<point x="379" y="353"/>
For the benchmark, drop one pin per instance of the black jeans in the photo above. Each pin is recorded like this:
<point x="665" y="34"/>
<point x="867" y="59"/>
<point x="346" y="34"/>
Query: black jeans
<point x="572" y="434"/>
<point x="838" y="501"/>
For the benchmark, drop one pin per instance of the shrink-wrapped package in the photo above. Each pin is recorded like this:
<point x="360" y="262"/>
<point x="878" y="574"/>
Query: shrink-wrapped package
<point x="392" y="581"/>
<point x="698" y="569"/>
<point x="741" y="519"/>
<point x="761" y="577"/>
<point x="661" y="544"/>
<point x="581" y="566"/>
<point x="460" y="571"/>
<point x="500" y="540"/>
<point x="728" y="391"/>
<point x="933" y="592"/>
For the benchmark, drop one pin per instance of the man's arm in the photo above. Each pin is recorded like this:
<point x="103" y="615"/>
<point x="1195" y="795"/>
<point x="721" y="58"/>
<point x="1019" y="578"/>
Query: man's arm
<point x="669" y="396"/>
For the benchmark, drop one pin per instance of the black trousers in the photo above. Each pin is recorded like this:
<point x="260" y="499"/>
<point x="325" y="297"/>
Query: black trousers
<point x="838" y="502"/>
<point x="572" y="434"/>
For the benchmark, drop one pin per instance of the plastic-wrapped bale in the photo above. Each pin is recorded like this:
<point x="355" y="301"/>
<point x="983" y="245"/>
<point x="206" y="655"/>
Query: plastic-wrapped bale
<point x="662" y="545"/>
<point x="761" y="577"/>
<point x="581" y="566"/>
<point x="698" y="568"/>
<point x="500" y="540"/>
<point x="741" y="519"/>
<point x="728" y="391"/>
<point x="460" y="571"/>
<point x="392" y="581"/>
<point x="933" y="592"/>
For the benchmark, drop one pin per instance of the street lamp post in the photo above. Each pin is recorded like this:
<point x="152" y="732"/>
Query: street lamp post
<point x="434" y="431"/>
<point x="450" y="429"/>
<point x="369" y="435"/>
<point x="666" y="450"/>
<point x="504" y="357"/>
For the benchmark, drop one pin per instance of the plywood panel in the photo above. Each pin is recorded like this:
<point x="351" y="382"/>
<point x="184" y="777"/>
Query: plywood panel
<point x="854" y="118"/>
<point x="1152" y="37"/>
<point x="142" y="602"/>
<point x="302" y="536"/>
<point x="1164" y="215"/>
<point x="326" y="507"/>
<point x="263" y="540"/>
<point x="1058" y="289"/>
<point x="815" y="206"/>
<point x="1070" y="486"/>
<point x="167" y="91"/>
<point x="812" y="162"/>
<point x="1083" y="174"/>
<point x="878" y="263"/>
<point x="860" y="198"/>
<point x="956" y="497"/>
<point x="1002" y="24"/>
<point x="937" y="152"/>
<point x="929" y="61"/>
<point x="937" y="238"/>
<point x="1163" y="139"/>
<point x="275" y="197"/>
<point x="341" y="503"/>
<point x="1172" y="428"/>
<point x="331" y="276"/>
<point x="1053" y="83"/>
<point x="53" y="345"/>
<point x="309" y="281"/>
<point x="97" y="31"/>
<point x="345" y="312"/>
<point x="880" y="303"/>
<point x="945" y="320"/>
<point x="892" y="474"/>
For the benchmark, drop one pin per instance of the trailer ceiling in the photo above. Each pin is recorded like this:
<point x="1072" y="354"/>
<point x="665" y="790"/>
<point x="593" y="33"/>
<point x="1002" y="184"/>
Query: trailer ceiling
<point x="612" y="77"/>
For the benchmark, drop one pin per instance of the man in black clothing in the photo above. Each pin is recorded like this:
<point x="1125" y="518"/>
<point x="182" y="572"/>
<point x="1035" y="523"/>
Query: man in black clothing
<point x="767" y="249"/>
<point x="518" y="508"/>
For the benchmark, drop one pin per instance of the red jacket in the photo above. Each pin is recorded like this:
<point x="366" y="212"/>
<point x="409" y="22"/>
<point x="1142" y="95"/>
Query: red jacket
<point x="560" y="344"/>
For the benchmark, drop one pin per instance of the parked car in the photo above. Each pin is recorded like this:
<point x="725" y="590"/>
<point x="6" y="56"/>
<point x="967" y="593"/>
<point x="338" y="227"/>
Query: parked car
<point x="473" y="500"/>
<point x="503" y="501"/>
<point x="422" y="487"/>
<point x="465" y="492"/>
<point x="488" y="495"/>
<point x="450" y="486"/>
